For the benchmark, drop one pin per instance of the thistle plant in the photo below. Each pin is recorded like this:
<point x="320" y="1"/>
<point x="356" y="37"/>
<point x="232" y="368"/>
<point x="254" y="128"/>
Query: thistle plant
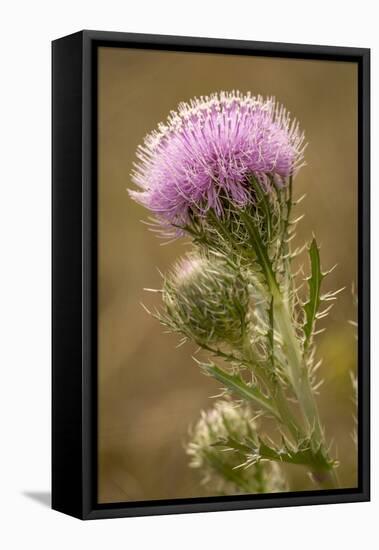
<point x="220" y="172"/>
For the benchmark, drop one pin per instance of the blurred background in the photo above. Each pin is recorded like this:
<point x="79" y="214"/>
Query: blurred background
<point x="149" y="390"/>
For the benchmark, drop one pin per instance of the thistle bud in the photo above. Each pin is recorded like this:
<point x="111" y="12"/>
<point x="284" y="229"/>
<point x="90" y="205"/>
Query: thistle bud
<point x="224" y="468"/>
<point x="206" y="299"/>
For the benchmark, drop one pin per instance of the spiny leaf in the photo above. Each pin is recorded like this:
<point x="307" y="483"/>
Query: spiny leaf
<point x="314" y="284"/>
<point x="256" y="450"/>
<point x="236" y="384"/>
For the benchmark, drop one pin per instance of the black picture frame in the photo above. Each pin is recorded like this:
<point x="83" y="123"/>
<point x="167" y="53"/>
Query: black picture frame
<point x="74" y="272"/>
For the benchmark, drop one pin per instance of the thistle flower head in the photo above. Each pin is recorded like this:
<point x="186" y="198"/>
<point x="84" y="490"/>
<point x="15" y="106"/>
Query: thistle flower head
<point x="206" y="300"/>
<point x="205" y="152"/>
<point x="228" y="420"/>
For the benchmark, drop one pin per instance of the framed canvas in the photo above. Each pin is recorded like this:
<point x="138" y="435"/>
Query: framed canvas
<point x="189" y="349"/>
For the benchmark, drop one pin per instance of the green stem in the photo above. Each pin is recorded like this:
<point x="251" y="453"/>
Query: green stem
<point x="286" y="417"/>
<point x="286" y="414"/>
<point x="297" y="373"/>
<point x="299" y="379"/>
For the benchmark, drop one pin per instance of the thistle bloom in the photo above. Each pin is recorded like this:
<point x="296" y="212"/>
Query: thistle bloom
<point x="206" y="151"/>
<point x="230" y="420"/>
<point x="206" y="299"/>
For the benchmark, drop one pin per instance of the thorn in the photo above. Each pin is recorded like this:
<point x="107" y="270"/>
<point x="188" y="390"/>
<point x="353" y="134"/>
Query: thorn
<point x="299" y="200"/>
<point x="317" y="365"/>
<point x="297" y="220"/>
<point x="160" y="273"/>
<point x="329" y="270"/>
<point x="152" y="290"/>
<point x="320" y="331"/>
<point x="331" y="295"/>
<point x="145" y="308"/>
<point x="318" y="385"/>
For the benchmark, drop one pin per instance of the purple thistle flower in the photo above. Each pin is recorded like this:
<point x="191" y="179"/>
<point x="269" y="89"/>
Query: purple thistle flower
<point x="208" y="149"/>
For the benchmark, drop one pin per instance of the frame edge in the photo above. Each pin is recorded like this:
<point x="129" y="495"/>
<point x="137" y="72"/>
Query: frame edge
<point x="67" y="474"/>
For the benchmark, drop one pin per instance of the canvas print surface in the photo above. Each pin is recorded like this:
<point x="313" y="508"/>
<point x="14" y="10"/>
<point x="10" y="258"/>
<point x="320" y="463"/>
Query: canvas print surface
<point x="227" y="268"/>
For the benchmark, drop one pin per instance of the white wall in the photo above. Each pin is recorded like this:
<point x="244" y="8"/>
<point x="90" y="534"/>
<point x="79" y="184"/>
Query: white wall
<point x="26" y="30"/>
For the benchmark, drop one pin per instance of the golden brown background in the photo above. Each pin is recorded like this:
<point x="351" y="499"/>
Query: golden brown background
<point x="149" y="391"/>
